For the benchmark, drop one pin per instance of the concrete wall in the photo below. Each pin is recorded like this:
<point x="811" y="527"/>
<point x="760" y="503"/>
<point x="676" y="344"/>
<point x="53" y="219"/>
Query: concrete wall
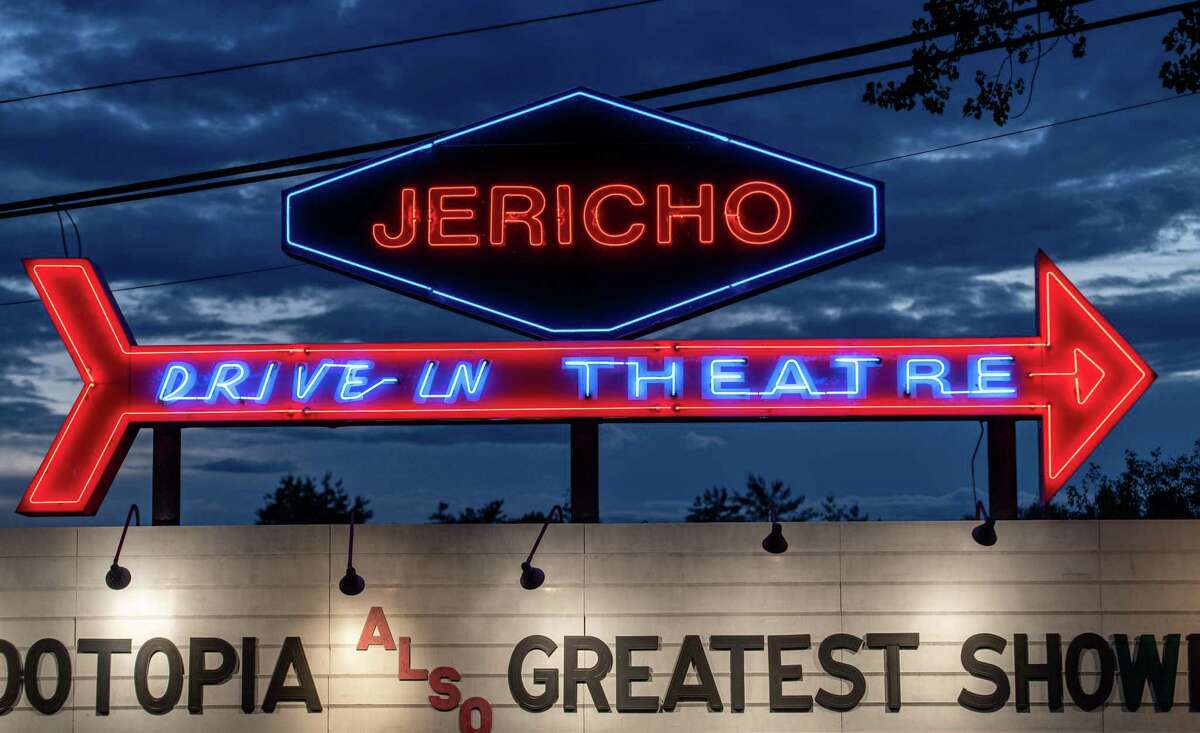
<point x="454" y="591"/>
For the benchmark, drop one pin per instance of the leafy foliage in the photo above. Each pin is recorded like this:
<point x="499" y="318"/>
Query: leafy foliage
<point x="490" y="513"/>
<point x="965" y="26"/>
<point x="297" y="501"/>
<point x="1148" y="488"/>
<point x="754" y="504"/>
<point x="1183" y="74"/>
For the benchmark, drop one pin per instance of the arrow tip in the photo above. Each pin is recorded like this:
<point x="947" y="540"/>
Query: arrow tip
<point x="1091" y="376"/>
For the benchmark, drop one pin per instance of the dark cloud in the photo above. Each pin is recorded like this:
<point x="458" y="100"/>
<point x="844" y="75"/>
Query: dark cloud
<point x="242" y="465"/>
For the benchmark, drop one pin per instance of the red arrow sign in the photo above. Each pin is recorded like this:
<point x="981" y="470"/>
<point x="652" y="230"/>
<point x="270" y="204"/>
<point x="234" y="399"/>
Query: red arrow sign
<point x="1078" y="377"/>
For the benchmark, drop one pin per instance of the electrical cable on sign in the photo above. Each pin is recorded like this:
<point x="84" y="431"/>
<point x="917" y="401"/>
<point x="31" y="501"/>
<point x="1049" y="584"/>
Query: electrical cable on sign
<point x="974" y="455"/>
<point x="63" y="232"/>
<point x="78" y="239"/>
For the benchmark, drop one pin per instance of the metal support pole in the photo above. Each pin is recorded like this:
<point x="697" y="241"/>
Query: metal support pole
<point x="585" y="471"/>
<point x="166" y="480"/>
<point x="1002" y="467"/>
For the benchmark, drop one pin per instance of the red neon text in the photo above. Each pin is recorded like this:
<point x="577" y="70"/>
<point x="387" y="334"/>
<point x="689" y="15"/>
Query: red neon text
<point x="755" y="213"/>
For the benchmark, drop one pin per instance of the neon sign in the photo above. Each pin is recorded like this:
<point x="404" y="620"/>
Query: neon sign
<point x="584" y="217"/>
<point x="1078" y="377"/>
<point x="755" y="213"/>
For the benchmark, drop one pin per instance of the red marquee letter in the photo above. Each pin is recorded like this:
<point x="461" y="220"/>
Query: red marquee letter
<point x="500" y="217"/>
<point x="591" y="215"/>
<point x="466" y="724"/>
<point x="666" y="213"/>
<point x="447" y="694"/>
<point x="406" y="671"/>
<point x="439" y="214"/>
<point x="376" y="632"/>
<point x="733" y="212"/>
<point x="409" y="216"/>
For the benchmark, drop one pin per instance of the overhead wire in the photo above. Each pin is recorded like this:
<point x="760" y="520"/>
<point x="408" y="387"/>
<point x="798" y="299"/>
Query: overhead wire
<point x="334" y="52"/>
<point x="46" y="204"/>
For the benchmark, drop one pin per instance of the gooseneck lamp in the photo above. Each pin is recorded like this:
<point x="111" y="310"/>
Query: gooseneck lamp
<point x="533" y="577"/>
<point x="775" y="543"/>
<point x="984" y="534"/>
<point x="118" y="577"/>
<point x="351" y="583"/>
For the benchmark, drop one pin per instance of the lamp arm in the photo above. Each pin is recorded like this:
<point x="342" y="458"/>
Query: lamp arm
<point x="542" y="533"/>
<point x="350" y="554"/>
<point x="133" y="510"/>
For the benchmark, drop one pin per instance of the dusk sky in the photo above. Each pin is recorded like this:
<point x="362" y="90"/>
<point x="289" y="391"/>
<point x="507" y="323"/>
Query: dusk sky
<point x="1114" y="201"/>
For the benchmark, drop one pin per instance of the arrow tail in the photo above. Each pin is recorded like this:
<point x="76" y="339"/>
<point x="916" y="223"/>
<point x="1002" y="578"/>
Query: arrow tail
<point x="89" y="448"/>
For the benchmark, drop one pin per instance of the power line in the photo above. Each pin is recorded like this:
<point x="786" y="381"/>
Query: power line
<point x="132" y="192"/>
<point x="1035" y="128"/>
<point x="335" y="52"/>
<point x="914" y="154"/>
<point x="827" y="56"/>
<point x="185" y="281"/>
<point x="881" y="68"/>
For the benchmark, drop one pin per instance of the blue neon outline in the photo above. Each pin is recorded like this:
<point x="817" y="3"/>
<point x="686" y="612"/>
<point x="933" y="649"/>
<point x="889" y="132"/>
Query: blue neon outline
<point x="189" y="381"/>
<point x="941" y="378"/>
<point x="303" y="394"/>
<point x="777" y="388"/>
<point x="433" y="292"/>
<point x="976" y="365"/>
<point x="852" y="365"/>
<point x="640" y="377"/>
<point x="709" y="386"/>
<point x="350" y="380"/>
<point x="231" y="391"/>
<point x="459" y="384"/>
<point x="589" y="367"/>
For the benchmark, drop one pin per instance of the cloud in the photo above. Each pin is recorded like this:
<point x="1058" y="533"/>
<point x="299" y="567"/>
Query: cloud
<point x="1169" y="265"/>
<point x="700" y="441"/>
<point x="242" y="465"/>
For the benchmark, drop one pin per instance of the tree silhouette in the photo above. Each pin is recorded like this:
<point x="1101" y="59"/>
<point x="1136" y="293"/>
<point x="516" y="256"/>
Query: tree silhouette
<point x="296" y="500"/>
<point x="961" y="27"/>
<point x="1147" y="488"/>
<point x="491" y="512"/>
<point x="754" y="504"/>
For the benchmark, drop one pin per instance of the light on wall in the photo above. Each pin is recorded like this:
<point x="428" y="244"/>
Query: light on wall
<point x="984" y="534"/>
<point x="775" y="543"/>
<point x="533" y="577"/>
<point x="118" y="577"/>
<point x="351" y="583"/>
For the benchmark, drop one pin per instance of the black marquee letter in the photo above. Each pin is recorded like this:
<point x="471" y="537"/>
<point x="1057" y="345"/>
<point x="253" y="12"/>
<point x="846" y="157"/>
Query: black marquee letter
<point x="104" y="649"/>
<point x="992" y="701"/>
<point x="548" y="678"/>
<point x="573" y="675"/>
<point x="62" y="686"/>
<point x="141" y="676"/>
<point x="1051" y="672"/>
<point x="841" y="670"/>
<point x="627" y="674"/>
<point x="199" y="675"/>
<point x="12" y="676"/>
<point x="691" y="656"/>
<point x="1193" y="641"/>
<point x="291" y="656"/>
<point x="1108" y="665"/>
<point x="1147" y="667"/>
<point x="778" y="673"/>
<point x="249" y="673"/>
<point x="892" y="644"/>
<point x="737" y="646"/>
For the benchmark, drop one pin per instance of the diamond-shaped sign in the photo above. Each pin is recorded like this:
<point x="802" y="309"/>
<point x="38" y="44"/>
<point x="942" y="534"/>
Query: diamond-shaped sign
<point x="583" y="216"/>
